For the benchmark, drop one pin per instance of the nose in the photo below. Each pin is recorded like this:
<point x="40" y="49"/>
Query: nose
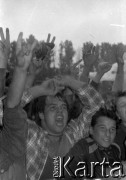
<point x="107" y="133"/>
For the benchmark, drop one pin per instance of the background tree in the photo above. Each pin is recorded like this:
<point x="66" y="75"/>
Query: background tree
<point x="66" y="54"/>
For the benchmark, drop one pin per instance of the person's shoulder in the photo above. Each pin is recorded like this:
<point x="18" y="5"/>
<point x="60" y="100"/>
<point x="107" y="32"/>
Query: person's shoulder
<point x="92" y="146"/>
<point x="35" y="130"/>
<point x="85" y="143"/>
<point x="82" y="142"/>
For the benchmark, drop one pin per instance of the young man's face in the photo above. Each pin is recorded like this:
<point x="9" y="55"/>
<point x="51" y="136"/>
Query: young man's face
<point x="121" y="108"/>
<point x="55" y="115"/>
<point x="104" y="131"/>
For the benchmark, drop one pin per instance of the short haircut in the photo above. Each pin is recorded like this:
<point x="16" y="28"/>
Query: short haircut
<point x="73" y="112"/>
<point x="41" y="102"/>
<point x="103" y="111"/>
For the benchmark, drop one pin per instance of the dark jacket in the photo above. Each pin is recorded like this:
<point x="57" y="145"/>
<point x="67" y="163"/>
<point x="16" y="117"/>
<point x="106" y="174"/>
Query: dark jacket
<point x="91" y="157"/>
<point x="13" y="146"/>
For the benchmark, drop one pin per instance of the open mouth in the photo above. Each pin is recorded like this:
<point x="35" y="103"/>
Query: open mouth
<point x="59" y="121"/>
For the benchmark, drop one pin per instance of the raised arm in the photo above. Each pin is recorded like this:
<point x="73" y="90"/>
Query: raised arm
<point x="12" y="143"/>
<point x="119" y="79"/>
<point x="4" y="55"/>
<point x="41" y="55"/>
<point x="103" y="68"/>
<point x="91" y="102"/>
<point x="23" y="59"/>
<point x="89" y="59"/>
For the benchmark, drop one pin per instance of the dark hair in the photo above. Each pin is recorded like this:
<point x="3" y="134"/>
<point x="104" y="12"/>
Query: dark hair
<point x="73" y="111"/>
<point x="41" y="101"/>
<point x="120" y="94"/>
<point x="103" y="111"/>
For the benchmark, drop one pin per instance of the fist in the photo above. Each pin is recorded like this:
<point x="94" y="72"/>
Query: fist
<point x="104" y="67"/>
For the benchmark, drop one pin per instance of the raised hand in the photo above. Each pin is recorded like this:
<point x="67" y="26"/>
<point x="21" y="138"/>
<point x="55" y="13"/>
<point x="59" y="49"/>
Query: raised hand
<point x="89" y="56"/>
<point x="104" y="67"/>
<point x="24" y="52"/>
<point x="43" y="51"/>
<point x="4" y="48"/>
<point x="51" y="44"/>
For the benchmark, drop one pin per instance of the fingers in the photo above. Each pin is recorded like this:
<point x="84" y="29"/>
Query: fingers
<point x="20" y="37"/>
<point x="48" y="38"/>
<point x="7" y="36"/>
<point x="2" y="46"/>
<point x="53" y="40"/>
<point x="58" y="86"/>
<point x="33" y="45"/>
<point x="105" y="66"/>
<point x="2" y="34"/>
<point x="20" y="40"/>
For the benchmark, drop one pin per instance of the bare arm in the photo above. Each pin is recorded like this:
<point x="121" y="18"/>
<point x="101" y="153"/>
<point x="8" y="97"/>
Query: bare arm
<point x="103" y="68"/>
<point x="89" y="59"/>
<point x="37" y="61"/>
<point x="119" y="79"/>
<point x="2" y="81"/>
<point x="4" y="55"/>
<point x="20" y="73"/>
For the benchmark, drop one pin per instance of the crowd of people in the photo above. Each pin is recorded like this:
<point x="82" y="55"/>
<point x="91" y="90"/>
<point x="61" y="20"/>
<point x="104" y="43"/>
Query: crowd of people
<point x="69" y="119"/>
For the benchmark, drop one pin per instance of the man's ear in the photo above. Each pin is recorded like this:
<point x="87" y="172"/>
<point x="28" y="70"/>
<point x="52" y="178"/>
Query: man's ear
<point x="41" y="116"/>
<point x="91" y="130"/>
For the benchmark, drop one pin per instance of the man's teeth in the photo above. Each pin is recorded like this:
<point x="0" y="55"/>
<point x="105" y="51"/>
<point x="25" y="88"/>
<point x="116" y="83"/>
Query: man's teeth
<point x="59" y="117"/>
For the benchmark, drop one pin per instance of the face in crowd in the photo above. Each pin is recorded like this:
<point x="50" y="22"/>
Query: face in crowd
<point x="104" y="131"/>
<point x="121" y="108"/>
<point x="55" y="116"/>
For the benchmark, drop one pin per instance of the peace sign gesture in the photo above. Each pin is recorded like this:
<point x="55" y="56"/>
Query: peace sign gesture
<point x="4" y="48"/>
<point x="44" y="50"/>
<point x="24" y="52"/>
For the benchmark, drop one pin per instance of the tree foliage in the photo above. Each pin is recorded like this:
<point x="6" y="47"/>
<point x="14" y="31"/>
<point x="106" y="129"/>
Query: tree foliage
<point x="66" y="54"/>
<point x="103" y="52"/>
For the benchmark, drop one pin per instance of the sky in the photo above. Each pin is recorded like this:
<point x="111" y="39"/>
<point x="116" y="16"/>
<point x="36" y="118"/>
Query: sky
<point x="76" y="20"/>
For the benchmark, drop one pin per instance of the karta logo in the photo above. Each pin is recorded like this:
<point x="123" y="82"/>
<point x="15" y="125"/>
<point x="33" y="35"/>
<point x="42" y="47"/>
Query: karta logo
<point x="63" y="168"/>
